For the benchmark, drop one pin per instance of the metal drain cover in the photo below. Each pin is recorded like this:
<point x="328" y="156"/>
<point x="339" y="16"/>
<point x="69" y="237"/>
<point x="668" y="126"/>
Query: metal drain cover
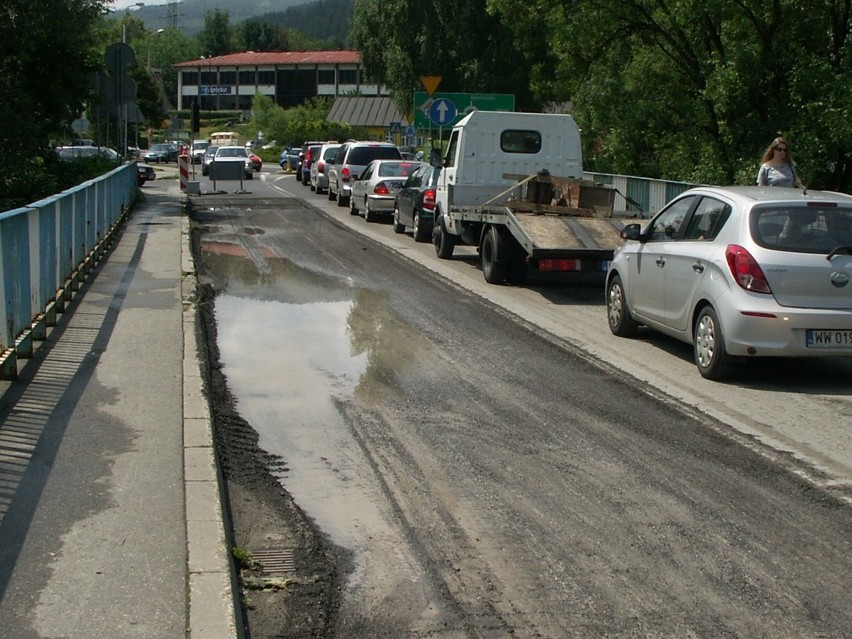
<point x="275" y="561"/>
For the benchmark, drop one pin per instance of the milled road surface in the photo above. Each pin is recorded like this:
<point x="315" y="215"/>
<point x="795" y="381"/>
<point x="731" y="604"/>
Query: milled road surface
<point x="478" y="477"/>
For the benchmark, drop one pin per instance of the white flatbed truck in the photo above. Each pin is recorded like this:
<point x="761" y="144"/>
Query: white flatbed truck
<point x="511" y="184"/>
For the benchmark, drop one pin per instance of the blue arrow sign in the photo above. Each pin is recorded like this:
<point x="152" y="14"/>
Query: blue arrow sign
<point x="442" y="111"/>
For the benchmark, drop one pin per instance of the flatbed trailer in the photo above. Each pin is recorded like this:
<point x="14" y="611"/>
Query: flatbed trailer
<point x="543" y="222"/>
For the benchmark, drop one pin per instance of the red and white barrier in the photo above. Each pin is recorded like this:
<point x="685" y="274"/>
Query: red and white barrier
<point x="183" y="165"/>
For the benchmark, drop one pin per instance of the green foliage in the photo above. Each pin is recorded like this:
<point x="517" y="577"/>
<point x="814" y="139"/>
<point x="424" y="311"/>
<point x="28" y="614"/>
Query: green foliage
<point x="216" y="37"/>
<point x="299" y="124"/>
<point x="40" y="88"/>
<point x="257" y="35"/>
<point x="687" y="90"/>
<point x="40" y="176"/>
<point x="471" y="49"/>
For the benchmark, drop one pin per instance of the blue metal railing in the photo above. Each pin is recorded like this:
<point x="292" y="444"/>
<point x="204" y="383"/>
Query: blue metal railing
<point x="47" y="248"/>
<point x="645" y="194"/>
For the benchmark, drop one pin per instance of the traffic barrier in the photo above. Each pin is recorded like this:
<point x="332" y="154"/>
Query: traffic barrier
<point x="183" y="165"/>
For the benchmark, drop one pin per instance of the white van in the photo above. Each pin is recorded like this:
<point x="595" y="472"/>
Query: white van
<point x="489" y="151"/>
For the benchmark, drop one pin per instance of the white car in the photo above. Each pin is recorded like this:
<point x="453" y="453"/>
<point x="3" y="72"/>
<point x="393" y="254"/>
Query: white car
<point x="196" y="151"/>
<point x="319" y="167"/>
<point x="235" y="154"/>
<point x="739" y="272"/>
<point x="373" y="193"/>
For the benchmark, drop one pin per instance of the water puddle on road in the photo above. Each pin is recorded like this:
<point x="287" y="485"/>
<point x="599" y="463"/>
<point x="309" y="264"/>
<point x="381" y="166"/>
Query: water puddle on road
<point x="291" y="341"/>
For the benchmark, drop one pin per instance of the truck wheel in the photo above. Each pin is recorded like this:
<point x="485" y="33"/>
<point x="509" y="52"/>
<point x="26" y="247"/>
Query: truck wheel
<point x="443" y="241"/>
<point x="493" y="255"/>
<point x="621" y="322"/>
<point x="397" y="226"/>
<point x="711" y="357"/>
<point x="420" y="234"/>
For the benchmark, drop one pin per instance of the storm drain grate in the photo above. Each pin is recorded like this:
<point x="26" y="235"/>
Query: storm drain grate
<point x="275" y="561"/>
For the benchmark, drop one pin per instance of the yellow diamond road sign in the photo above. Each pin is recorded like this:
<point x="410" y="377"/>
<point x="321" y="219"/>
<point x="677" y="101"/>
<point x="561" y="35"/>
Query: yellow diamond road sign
<point x="430" y="83"/>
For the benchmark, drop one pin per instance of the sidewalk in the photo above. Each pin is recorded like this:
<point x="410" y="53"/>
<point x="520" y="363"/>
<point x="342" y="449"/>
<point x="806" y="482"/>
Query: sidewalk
<point x="111" y="517"/>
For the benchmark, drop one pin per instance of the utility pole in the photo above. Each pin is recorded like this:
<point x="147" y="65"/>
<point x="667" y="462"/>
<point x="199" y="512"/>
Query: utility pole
<point x="172" y="14"/>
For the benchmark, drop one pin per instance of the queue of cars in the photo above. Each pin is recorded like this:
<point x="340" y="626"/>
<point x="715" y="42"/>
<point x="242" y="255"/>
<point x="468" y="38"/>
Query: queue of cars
<point x="737" y="272"/>
<point x="373" y="179"/>
<point x="365" y="176"/>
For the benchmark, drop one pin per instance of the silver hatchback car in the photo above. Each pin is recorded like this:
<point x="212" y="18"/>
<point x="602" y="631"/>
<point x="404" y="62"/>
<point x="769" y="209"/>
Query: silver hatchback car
<point x="374" y="191"/>
<point x="739" y="272"/>
<point x="319" y="167"/>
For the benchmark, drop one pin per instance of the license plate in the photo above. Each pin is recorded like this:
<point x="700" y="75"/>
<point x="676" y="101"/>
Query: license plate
<point x="815" y="338"/>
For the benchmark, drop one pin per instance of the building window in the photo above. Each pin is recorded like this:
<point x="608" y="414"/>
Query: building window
<point x="266" y="77"/>
<point x="348" y="76"/>
<point x="190" y="78"/>
<point x="208" y="77"/>
<point x="325" y="76"/>
<point x="247" y="77"/>
<point x="228" y="77"/>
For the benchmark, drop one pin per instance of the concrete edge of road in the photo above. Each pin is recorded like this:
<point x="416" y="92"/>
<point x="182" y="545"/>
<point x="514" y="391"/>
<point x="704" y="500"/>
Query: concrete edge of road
<point x="211" y="578"/>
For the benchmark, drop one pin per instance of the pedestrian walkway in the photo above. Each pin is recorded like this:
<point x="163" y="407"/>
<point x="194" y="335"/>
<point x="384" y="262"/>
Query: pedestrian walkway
<point x="111" y="516"/>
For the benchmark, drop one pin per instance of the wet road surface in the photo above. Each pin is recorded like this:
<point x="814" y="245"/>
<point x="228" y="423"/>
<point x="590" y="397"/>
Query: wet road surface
<point x="488" y="480"/>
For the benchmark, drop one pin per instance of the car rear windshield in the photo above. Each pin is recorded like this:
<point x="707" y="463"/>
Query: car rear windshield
<point x="803" y="229"/>
<point x="363" y="155"/>
<point x="396" y="169"/>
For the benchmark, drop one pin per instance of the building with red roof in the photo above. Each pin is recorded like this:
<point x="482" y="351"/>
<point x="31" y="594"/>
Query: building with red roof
<point x="230" y="82"/>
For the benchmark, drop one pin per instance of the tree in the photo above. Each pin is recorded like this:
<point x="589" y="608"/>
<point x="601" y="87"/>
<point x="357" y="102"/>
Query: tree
<point x="47" y="54"/>
<point x="257" y="35"/>
<point x="695" y="89"/>
<point x="298" y="124"/>
<point x="469" y="48"/>
<point x="216" y="37"/>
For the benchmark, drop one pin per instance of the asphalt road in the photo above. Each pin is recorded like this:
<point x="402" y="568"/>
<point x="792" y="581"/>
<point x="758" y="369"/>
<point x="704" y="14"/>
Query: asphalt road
<point x="497" y="465"/>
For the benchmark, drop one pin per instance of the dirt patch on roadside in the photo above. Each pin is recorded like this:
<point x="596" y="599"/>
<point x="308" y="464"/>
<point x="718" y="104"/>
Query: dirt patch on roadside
<point x="301" y="600"/>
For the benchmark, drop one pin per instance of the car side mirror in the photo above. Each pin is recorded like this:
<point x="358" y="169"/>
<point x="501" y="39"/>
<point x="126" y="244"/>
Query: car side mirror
<point x="631" y="232"/>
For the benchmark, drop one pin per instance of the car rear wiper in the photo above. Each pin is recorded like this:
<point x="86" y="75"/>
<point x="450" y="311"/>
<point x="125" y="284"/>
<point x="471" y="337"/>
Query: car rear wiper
<point x="847" y="250"/>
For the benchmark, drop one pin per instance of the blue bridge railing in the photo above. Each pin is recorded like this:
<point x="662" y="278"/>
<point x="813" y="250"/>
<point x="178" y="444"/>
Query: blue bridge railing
<point x="638" y="193"/>
<point x="47" y="248"/>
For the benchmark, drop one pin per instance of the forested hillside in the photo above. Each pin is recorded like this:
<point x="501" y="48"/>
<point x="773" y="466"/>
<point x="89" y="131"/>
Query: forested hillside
<point x="327" y="20"/>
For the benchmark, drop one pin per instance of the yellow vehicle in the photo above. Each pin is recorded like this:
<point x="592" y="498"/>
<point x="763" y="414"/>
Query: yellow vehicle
<point x="224" y="138"/>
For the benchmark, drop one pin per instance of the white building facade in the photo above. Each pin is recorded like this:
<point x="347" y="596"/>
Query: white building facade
<point x="230" y="82"/>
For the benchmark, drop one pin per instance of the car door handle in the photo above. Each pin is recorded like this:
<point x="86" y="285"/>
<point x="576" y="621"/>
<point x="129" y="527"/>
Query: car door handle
<point x="698" y="268"/>
<point x="661" y="262"/>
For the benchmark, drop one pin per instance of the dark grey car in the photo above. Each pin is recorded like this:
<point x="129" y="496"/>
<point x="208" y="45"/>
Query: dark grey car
<point x="415" y="203"/>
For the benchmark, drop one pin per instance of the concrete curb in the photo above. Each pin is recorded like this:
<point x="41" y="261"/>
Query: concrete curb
<point x="211" y="577"/>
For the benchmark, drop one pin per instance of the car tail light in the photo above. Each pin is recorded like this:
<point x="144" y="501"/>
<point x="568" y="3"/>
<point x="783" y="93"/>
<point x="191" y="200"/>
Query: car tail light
<point x="381" y="189"/>
<point x="429" y="198"/>
<point x="345" y="174"/>
<point x="321" y="167"/>
<point x="746" y="270"/>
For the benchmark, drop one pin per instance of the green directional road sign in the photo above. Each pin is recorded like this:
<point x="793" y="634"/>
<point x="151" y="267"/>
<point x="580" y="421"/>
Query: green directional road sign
<point x="464" y="103"/>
